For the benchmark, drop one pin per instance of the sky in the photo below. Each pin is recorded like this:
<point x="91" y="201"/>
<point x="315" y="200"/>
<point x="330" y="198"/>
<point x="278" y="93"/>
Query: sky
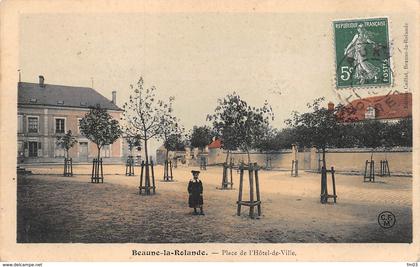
<point x="285" y="58"/>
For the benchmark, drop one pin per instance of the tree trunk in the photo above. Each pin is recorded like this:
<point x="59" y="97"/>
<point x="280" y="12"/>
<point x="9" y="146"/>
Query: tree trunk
<point x="323" y="158"/>
<point x="146" y="154"/>
<point x="99" y="151"/>
<point x="67" y="154"/>
<point x="227" y="156"/>
<point x="249" y="158"/>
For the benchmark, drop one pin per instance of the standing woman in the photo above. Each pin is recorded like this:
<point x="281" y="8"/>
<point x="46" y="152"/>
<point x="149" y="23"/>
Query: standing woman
<point x="195" y="191"/>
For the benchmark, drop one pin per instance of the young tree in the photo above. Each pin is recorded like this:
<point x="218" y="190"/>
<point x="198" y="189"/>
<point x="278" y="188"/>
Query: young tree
<point x="142" y="117"/>
<point x="66" y="141"/>
<point x="133" y="141"/>
<point x="240" y="125"/>
<point x="99" y="127"/>
<point x="201" y="137"/>
<point x="175" y="142"/>
<point x="321" y="127"/>
<point x="171" y="131"/>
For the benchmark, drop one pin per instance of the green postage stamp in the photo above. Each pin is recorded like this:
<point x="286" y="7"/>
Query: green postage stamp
<point x="362" y="53"/>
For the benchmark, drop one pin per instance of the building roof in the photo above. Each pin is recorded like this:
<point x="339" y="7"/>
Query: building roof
<point x="391" y="106"/>
<point x="215" y="144"/>
<point x="62" y="96"/>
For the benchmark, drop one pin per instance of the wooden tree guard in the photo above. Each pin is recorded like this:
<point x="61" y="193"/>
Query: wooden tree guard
<point x="295" y="168"/>
<point x="167" y="171"/>
<point x="68" y="167"/>
<point x="324" y="185"/>
<point x="384" y="168"/>
<point x="227" y="180"/>
<point x="147" y="188"/>
<point x="129" y="166"/>
<point x="268" y="165"/>
<point x="203" y="163"/>
<point x="369" y="175"/>
<point x="253" y="174"/>
<point x="97" y="171"/>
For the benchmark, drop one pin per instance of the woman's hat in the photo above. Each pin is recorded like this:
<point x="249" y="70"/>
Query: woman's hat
<point x="195" y="172"/>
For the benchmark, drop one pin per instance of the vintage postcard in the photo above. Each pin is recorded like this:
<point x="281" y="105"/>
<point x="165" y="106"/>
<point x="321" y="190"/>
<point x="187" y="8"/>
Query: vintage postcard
<point x="209" y="131"/>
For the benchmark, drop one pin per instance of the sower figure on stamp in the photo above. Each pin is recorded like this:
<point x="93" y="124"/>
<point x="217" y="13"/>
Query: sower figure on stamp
<point x="195" y="191"/>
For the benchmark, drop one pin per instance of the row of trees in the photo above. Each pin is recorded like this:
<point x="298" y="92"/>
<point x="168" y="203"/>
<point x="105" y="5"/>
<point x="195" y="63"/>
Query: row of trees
<point x="239" y="126"/>
<point x="321" y="128"/>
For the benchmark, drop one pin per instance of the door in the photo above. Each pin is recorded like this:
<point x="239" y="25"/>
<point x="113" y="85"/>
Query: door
<point x="33" y="149"/>
<point x="83" y="151"/>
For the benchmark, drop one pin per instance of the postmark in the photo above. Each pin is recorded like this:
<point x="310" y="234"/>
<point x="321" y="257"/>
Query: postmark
<point x="386" y="219"/>
<point x="362" y="53"/>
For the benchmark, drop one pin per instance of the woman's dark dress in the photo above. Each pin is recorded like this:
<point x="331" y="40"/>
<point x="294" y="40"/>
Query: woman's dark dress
<point x="195" y="189"/>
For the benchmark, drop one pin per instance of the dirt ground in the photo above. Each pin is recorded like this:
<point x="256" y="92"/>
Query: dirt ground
<point x="57" y="209"/>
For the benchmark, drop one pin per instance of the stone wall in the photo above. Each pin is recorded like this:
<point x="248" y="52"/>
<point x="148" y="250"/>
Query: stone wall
<point x="347" y="160"/>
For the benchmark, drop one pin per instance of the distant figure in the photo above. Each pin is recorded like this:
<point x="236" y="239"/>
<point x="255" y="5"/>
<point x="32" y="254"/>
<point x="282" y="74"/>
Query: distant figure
<point x="195" y="191"/>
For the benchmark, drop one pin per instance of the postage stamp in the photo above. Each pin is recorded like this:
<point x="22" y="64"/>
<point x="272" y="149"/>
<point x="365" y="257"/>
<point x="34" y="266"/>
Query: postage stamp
<point x="362" y="53"/>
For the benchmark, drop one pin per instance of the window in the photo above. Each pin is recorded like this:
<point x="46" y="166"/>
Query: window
<point x="60" y="125"/>
<point x="370" y="113"/>
<point x="20" y="124"/>
<point x="106" y="151"/>
<point x="32" y="124"/>
<point x="33" y="149"/>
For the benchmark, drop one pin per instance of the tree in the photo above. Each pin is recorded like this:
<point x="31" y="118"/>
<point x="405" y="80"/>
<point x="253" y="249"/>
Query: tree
<point x="142" y="117"/>
<point x="133" y="141"/>
<point x="99" y="127"/>
<point x="239" y="125"/>
<point x="400" y="133"/>
<point x="201" y="136"/>
<point x="175" y="142"/>
<point x="171" y="130"/>
<point x="322" y="127"/>
<point x="66" y="141"/>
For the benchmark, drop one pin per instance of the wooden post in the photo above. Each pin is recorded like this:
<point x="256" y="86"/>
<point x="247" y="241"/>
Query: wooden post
<point x="97" y="171"/>
<point x="224" y="178"/>
<point x="141" y="176"/>
<point x="102" y="171"/>
<point x="324" y="190"/>
<point x="251" y="190"/>
<point x="147" y="187"/>
<point x="324" y="185"/>
<point x="369" y="175"/>
<point x="231" y="175"/>
<point x="170" y="168"/>
<point x="333" y="183"/>
<point x="68" y="167"/>
<point x="257" y="188"/>
<point x="241" y="182"/>
<point x="251" y="203"/>
<point x="153" y="178"/>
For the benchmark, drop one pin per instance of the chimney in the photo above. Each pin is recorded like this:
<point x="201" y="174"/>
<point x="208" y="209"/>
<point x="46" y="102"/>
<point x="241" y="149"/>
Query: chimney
<point x="41" y="81"/>
<point x="114" y="97"/>
<point x="330" y="106"/>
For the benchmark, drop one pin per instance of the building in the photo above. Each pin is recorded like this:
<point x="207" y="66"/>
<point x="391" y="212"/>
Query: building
<point x="46" y="111"/>
<point x="386" y="108"/>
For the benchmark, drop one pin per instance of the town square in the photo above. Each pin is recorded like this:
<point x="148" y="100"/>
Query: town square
<point x="151" y="128"/>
